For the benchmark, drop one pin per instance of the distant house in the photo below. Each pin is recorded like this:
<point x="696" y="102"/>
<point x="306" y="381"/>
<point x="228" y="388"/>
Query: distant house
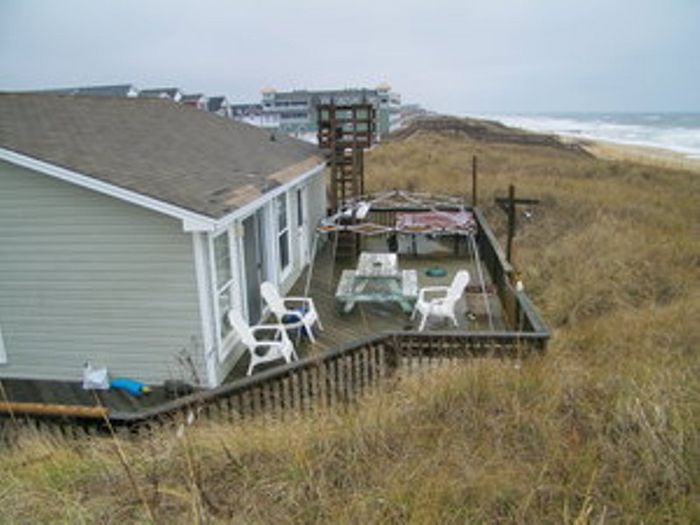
<point x="220" y="106"/>
<point x="196" y="100"/>
<point x="118" y="90"/>
<point x="129" y="227"/>
<point x="170" y="93"/>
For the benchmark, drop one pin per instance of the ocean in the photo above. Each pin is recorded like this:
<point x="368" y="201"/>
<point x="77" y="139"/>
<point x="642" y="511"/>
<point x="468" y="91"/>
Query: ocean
<point x="679" y="132"/>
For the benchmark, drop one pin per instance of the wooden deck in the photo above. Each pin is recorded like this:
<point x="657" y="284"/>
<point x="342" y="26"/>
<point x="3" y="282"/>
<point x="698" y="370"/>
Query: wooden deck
<point x="72" y="394"/>
<point x="341" y="329"/>
<point x="356" y="351"/>
<point x="366" y="319"/>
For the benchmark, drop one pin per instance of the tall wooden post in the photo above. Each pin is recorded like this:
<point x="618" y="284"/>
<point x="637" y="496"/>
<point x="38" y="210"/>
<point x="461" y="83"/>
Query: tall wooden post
<point x="474" y="181"/>
<point x="511" y="222"/>
<point x="508" y="204"/>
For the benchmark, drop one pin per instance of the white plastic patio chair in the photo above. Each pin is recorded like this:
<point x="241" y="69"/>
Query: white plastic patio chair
<point x="292" y="312"/>
<point x="444" y="301"/>
<point x="263" y="350"/>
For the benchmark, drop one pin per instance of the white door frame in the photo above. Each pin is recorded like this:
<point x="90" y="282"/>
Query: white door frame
<point x="260" y="230"/>
<point x="210" y="346"/>
<point x="3" y="353"/>
<point x="303" y="228"/>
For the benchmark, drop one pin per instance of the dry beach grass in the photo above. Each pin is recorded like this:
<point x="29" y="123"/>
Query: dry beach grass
<point x="603" y="429"/>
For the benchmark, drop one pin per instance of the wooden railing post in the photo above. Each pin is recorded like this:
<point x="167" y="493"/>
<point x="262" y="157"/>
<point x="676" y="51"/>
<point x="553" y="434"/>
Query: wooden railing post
<point x="474" y="184"/>
<point x="331" y="379"/>
<point x="392" y="355"/>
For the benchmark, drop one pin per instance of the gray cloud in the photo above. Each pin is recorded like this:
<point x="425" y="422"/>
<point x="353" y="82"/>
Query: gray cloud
<point x="455" y="56"/>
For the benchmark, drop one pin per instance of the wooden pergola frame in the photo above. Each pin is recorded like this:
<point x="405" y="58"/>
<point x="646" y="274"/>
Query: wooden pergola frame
<point x="351" y="218"/>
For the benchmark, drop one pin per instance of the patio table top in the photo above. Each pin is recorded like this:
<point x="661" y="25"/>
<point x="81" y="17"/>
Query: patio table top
<point x="378" y="265"/>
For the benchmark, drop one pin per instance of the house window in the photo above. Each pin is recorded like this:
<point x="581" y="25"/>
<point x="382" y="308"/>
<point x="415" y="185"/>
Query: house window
<point x="224" y="281"/>
<point x="3" y="354"/>
<point x="282" y="232"/>
<point x="300" y="207"/>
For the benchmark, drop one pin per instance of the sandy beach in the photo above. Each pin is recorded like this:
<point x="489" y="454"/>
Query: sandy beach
<point x="642" y="154"/>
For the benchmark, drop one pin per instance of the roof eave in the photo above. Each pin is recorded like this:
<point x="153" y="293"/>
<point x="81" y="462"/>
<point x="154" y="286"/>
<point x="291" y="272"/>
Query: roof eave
<point x="246" y="209"/>
<point x="191" y="221"/>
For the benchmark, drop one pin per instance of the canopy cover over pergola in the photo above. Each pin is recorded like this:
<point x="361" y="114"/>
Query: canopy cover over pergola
<point x="416" y="213"/>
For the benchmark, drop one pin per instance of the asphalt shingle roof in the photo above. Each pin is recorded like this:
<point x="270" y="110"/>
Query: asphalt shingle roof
<point x="192" y="96"/>
<point x="173" y="153"/>
<point x="215" y="103"/>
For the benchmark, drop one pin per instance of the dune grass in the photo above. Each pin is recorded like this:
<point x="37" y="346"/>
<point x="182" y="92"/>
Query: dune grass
<point x="603" y="429"/>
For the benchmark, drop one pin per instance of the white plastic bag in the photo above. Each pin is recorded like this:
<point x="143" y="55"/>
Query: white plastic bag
<point x="95" y="378"/>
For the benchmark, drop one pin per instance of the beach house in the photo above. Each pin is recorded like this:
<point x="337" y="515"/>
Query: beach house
<point x="130" y="226"/>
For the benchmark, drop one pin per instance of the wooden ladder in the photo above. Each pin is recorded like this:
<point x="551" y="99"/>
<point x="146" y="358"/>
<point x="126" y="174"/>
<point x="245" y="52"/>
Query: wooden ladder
<point x="345" y="131"/>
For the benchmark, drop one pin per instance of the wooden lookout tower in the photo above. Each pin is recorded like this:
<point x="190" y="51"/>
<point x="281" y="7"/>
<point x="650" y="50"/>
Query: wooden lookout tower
<point x="344" y="131"/>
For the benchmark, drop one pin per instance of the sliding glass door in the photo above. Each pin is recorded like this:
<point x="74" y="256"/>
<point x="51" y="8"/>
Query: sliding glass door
<point x="255" y="262"/>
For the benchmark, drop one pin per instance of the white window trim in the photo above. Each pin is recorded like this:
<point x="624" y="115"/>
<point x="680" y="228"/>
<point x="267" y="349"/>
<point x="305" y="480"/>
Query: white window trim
<point x="206" y="314"/>
<point x="270" y="268"/>
<point x="226" y="344"/>
<point x="239" y="247"/>
<point x="301" y="202"/>
<point x="301" y="194"/>
<point x="285" y="272"/>
<point x="3" y="353"/>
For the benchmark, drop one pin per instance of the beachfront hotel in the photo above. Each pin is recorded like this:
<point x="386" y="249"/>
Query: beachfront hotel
<point x="294" y="112"/>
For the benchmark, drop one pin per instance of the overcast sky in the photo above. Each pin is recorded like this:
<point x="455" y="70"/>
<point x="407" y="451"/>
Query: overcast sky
<point x="457" y="56"/>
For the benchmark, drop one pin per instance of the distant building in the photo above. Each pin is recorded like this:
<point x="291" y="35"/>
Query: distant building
<point x="242" y="111"/>
<point x="294" y="112"/>
<point x="173" y="94"/>
<point x="196" y="100"/>
<point x="219" y="105"/>
<point x="118" y="90"/>
<point x="254" y="114"/>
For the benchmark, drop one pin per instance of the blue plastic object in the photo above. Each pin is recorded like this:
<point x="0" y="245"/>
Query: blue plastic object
<point x="289" y="319"/>
<point x="436" y="271"/>
<point x="133" y="387"/>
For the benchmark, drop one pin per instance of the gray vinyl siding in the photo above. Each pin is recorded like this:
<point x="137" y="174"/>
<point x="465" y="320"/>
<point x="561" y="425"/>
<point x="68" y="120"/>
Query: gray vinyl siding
<point x="317" y="205"/>
<point x="86" y="277"/>
<point x="316" y="208"/>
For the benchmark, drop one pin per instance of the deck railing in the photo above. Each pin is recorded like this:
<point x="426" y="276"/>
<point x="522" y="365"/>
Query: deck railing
<point x="340" y="376"/>
<point x="313" y="383"/>
<point x="346" y="373"/>
<point x="521" y="315"/>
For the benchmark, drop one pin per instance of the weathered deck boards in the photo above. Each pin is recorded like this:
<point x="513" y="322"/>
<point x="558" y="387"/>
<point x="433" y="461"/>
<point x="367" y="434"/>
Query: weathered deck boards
<point x="72" y="393"/>
<point x="366" y="319"/>
<point x="341" y="329"/>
